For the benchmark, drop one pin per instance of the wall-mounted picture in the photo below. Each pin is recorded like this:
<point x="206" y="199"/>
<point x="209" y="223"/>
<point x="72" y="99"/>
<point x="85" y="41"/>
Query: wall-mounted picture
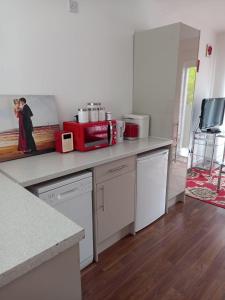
<point x="27" y="125"/>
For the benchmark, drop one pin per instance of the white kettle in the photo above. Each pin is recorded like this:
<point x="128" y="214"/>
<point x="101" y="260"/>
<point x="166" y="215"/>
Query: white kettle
<point x="120" y="128"/>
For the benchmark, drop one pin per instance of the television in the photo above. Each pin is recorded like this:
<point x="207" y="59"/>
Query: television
<point x="212" y="113"/>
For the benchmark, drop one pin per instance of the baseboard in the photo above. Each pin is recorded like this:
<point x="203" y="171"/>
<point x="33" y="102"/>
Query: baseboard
<point x="86" y="262"/>
<point x="178" y="198"/>
<point x="115" y="238"/>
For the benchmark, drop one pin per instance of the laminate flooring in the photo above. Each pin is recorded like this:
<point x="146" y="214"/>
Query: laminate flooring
<point x="180" y="256"/>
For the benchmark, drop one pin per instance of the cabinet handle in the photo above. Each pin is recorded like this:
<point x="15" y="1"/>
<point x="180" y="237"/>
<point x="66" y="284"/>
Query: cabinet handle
<point x="176" y="142"/>
<point x="66" y="194"/>
<point x="103" y="198"/>
<point x="117" y="169"/>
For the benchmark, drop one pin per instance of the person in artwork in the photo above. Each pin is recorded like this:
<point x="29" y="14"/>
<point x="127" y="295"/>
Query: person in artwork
<point x="28" y="125"/>
<point x="22" y="142"/>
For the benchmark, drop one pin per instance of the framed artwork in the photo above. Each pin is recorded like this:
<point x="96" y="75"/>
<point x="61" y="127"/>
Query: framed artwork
<point x="27" y="125"/>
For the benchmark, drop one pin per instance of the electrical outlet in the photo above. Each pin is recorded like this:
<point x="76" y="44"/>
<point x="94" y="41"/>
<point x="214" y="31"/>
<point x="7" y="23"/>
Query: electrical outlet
<point x="73" y="6"/>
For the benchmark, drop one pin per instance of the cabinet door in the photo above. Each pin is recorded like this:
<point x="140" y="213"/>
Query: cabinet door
<point x="115" y="205"/>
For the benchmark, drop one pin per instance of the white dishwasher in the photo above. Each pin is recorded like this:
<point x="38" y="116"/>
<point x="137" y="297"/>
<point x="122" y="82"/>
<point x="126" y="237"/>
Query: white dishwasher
<point x="151" y="187"/>
<point x="72" y="196"/>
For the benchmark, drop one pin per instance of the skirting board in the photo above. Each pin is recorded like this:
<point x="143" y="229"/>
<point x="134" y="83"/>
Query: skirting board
<point x="178" y="198"/>
<point x="115" y="238"/>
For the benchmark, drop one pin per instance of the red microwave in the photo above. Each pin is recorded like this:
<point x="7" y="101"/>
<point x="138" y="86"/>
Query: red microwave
<point x="93" y="135"/>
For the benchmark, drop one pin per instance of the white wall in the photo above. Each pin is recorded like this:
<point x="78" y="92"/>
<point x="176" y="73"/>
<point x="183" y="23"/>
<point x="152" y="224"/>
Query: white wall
<point x="219" y="83"/>
<point x="44" y="49"/>
<point x="205" y="76"/>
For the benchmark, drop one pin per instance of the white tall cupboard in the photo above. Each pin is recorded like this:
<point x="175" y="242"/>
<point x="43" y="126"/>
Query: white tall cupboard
<point x="160" y="57"/>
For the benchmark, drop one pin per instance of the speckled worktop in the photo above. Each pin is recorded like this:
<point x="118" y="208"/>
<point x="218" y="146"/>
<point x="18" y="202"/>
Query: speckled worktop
<point x="36" y="169"/>
<point x="31" y="232"/>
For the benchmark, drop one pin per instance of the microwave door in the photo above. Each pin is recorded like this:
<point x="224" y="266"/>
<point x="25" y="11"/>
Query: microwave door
<point x="96" y="136"/>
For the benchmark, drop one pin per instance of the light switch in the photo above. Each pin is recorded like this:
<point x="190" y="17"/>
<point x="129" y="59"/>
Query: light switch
<point x="73" y="6"/>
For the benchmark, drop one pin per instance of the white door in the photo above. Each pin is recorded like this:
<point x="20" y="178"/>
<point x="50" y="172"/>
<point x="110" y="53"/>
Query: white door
<point x="151" y="188"/>
<point x="75" y="203"/>
<point x="115" y="201"/>
<point x="79" y="210"/>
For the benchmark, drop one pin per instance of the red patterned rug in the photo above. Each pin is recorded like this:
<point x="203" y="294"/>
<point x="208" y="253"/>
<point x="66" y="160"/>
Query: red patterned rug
<point x="200" y="185"/>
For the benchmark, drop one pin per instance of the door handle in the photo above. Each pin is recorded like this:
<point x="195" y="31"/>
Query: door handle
<point x="100" y="199"/>
<point x="117" y="169"/>
<point x="164" y="153"/>
<point x="66" y="194"/>
<point x="103" y="198"/>
<point x="176" y="125"/>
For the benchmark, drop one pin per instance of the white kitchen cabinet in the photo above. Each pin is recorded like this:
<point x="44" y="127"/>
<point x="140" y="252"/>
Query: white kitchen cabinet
<point x="162" y="59"/>
<point x="114" y="203"/>
<point x="56" y="279"/>
<point x="151" y="187"/>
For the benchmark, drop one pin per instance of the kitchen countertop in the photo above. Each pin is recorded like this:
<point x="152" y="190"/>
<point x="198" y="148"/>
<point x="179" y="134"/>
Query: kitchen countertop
<point x="36" y="169"/>
<point x="32" y="232"/>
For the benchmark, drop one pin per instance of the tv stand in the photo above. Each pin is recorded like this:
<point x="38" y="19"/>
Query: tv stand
<point x="213" y="130"/>
<point x="206" y="145"/>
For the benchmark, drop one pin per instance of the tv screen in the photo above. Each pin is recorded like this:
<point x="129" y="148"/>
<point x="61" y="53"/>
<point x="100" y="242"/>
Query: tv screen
<point x="212" y="113"/>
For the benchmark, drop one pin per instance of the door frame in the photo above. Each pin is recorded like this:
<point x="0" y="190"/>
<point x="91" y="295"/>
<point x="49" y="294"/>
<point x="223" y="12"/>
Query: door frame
<point x="183" y="99"/>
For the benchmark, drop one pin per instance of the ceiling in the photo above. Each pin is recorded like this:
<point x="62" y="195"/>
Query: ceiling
<point x="208" y="14"/>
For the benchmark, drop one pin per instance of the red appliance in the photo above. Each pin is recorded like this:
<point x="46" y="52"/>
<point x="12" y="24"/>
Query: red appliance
<point x="131" y="131"/>
<point x="93" y="135"/>
<point x="64" y="141"/>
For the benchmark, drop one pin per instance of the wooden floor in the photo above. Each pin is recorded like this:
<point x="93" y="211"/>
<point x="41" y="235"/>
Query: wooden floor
<point x="182" y="256"/>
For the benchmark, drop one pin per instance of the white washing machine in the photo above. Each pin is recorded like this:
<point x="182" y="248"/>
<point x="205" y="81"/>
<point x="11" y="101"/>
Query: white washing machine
<point x="72" y="196"/>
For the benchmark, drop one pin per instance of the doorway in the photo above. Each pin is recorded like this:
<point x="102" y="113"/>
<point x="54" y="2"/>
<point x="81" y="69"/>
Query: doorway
<point x="185" y="115"/>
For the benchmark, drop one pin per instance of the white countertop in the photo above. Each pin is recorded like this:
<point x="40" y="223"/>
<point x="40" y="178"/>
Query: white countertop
<point x="36" y="169"/>
<point x="31" y="232"/>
